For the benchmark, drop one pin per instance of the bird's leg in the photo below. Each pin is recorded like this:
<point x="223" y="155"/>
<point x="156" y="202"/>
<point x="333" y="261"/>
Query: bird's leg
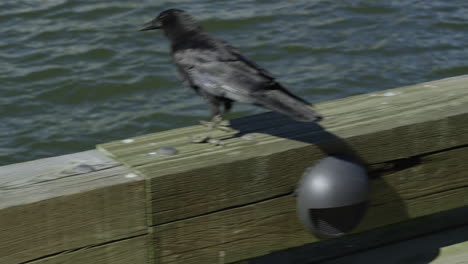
<point x="214" y="115"/>
<point x="212" y="125"/>
<point x="224" y="124"/>
<point x="217" y="122"/>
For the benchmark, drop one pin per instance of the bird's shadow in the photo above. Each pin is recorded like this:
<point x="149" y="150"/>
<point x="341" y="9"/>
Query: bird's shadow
<point x="331" y="145"/>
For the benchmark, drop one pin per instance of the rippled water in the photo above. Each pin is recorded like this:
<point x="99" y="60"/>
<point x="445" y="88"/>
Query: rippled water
<point x="77" y="73"/>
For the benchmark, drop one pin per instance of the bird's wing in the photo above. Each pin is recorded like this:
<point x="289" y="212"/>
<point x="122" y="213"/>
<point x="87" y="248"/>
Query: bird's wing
<point x="234" y="52"/>
<point x="272" y="85"/>
<point x="222" y="72"/>
<point x="225" y="73"/>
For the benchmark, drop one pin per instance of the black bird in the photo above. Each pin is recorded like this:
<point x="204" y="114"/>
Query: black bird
<point x="221" y="74"/>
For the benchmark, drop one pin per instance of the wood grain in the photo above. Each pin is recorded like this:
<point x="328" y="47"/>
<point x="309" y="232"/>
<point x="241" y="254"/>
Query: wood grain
<point x="355" y="243"/>
<point x="127" y="251"/>
<point x="438" y="182"/>
<point x="64" y="203"/>
<point x="448" y="247"/>
<point x="374" y="128"/>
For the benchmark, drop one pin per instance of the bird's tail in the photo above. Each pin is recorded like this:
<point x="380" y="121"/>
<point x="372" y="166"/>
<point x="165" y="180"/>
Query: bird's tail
<point x="284" y="102"/>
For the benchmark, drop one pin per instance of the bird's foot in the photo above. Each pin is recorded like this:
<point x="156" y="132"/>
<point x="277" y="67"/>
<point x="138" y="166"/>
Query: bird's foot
<point x="217" y="123"/>
<point x="224" y="126"/>
<point x="206" y="138"/>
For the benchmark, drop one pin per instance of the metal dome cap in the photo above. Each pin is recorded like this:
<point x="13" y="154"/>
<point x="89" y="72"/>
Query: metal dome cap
<point x="333" y="182"/>
<point x="332" y="197"/>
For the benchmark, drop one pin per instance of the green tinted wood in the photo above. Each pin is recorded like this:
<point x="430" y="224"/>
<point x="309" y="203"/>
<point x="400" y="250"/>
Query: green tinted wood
<point x="66" y="203"/>
<point x="375" y="128"/>
<point x="436" y="183"/>
<point x="132" y="250"/>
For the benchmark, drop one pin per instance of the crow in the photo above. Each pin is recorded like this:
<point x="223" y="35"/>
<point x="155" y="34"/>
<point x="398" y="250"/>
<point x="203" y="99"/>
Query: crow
<point x="221" y="74"/>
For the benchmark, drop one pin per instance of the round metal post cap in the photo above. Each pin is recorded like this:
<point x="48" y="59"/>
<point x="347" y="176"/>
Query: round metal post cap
<point x="332" y="196"/>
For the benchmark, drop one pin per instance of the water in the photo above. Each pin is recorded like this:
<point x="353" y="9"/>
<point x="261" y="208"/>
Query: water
<point x="77" y="73"/>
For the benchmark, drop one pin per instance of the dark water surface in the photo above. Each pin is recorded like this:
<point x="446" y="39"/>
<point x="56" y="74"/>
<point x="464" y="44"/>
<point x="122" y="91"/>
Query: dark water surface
<point x="77" y="73"/>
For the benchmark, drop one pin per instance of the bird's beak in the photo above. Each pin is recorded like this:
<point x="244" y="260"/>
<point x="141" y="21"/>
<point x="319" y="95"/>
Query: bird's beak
<point x="154" y="24"/>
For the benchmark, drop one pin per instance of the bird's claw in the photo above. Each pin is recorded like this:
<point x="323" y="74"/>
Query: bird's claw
<point x="207" y="139"/>
<point x="217" y="123"/>
<point x="216" y="142"/>
<point x="224" y="127"/>
<point x="199" y="139"/>
<point x="207" y="124"/>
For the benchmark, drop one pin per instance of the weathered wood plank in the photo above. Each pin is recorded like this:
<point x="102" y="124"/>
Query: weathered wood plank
<point x="64" y="203"/>
<point x="127" y="251"/>
<point x="456" y="253"/>
<point x="374" y="128"/>
<point x="447" y="247"/>
<point x="372" y="109"/>
<point x="432" y="184"/>
<point x="374" y="239"/>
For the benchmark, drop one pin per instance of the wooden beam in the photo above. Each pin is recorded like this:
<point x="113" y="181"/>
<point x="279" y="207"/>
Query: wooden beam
<point x="436" y="183"/>
<point x="447" y="247"/>
<point x="223" y="204"/>
<point x="67" y="203"/>
<point x="374" y="128"/>
<point x="441" y="224"/>
<point x="132" y="250"/>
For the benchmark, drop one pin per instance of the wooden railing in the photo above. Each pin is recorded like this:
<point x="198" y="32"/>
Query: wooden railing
<point x="127" y="202"/>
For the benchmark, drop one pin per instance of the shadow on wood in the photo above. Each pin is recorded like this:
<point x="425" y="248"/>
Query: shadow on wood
<point x="330" y="145"/>
<point x="406" y="242"/>
<point x="219" y="205"/>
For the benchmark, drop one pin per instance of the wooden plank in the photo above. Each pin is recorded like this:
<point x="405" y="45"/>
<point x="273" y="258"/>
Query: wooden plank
<point x="64" y="203"/>
<point x="374" y="128"/>
<point x="446" y="247"/>
<point x="435" y="183"/>
<point x="380" y="238"/>
<point x="127" y="251"/>
<point x="455" y="253"/>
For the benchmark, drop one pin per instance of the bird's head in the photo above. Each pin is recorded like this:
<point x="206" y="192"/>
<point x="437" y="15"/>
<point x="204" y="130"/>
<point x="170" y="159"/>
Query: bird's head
<point x="173" y="22"/>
